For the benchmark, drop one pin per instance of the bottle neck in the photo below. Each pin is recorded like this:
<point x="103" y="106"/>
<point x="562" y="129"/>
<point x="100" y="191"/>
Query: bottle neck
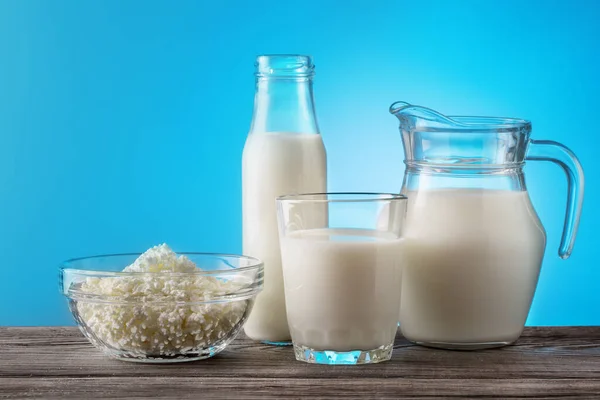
<point x="284" y="105"/>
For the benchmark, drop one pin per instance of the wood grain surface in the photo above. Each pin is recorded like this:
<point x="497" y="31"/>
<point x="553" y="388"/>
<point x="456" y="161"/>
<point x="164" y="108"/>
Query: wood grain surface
<point x="58" y="362"/>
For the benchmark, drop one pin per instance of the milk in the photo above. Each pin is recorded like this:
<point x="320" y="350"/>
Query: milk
<point x="471" y="264"/>
<point x="274" y="164"/>
<point x="382" y="223"/>
<point x="342" y="288"/>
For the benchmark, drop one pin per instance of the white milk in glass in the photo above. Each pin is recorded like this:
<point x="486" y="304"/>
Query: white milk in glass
<point x="341" y="288"/>
<point x="275" y="164"/>
<point x="472" y="261"/>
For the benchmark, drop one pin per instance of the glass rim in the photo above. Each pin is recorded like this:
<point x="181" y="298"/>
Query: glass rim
<point x="350" y="197"/>
<point x="482" y="124"/>
<point x="433" y="121"/>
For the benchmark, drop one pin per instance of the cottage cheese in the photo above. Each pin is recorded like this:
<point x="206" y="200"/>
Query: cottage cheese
<point x="149" y="315"/>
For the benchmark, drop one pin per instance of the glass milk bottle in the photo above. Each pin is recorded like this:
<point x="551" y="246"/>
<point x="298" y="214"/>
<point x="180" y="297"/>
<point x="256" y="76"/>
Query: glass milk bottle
<point x="284" y="154"/>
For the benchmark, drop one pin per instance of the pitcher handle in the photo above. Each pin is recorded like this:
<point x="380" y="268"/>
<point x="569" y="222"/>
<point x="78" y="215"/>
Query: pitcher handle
<point x="547" y="150"/>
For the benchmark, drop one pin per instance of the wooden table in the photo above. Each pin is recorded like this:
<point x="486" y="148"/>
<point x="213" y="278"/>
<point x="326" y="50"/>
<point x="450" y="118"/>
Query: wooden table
<point x="545" y="363"/>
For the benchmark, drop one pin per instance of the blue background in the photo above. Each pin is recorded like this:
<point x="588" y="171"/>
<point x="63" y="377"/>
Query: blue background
<point x="122" y="123"/>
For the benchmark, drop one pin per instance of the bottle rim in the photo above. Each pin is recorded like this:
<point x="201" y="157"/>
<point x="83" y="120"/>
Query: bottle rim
<point x="284" y="66"/>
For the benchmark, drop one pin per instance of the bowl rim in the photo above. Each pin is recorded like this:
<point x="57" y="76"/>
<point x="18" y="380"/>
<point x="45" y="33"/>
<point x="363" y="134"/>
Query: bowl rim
<point x="66" y="275"/>
<point x="64" y="266"/>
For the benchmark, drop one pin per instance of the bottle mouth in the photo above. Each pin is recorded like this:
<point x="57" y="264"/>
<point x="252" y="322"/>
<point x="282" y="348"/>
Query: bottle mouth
<point x="284" y="66"/>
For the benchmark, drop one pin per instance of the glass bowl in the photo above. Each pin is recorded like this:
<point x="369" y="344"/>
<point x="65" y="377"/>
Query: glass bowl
<point x="161" y="316"/>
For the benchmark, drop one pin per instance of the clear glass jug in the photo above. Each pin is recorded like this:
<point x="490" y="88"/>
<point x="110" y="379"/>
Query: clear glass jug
<point x="473" y="244"/>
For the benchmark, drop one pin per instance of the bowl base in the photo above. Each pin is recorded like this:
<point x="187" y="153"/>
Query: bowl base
<point x="159" y="360"/>
<point x="163" y="359"/>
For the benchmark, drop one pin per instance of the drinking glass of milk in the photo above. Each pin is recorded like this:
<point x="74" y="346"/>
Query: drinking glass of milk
<point x="284" y="153"/>
<point x="473" y="243"/>
<point x="342" y="274"/>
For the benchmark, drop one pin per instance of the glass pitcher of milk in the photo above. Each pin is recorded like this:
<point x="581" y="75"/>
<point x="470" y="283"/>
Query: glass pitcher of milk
<point x="283" y="154"/>
<point x="473" y="244"/>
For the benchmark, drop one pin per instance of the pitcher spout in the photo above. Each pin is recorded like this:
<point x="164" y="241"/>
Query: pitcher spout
<point x="398" y="106"/>
<point x="413" y="115"/>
